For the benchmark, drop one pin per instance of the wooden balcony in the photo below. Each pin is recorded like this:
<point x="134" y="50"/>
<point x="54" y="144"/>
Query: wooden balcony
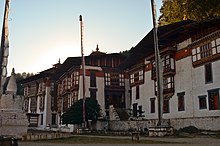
<point x="166" y="71"/>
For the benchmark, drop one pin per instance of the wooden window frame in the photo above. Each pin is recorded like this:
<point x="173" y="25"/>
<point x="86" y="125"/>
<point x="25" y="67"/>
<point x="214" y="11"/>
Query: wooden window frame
<point x="107" y="79"/>
<point x="166" y="105"/>
<point x="137" y="95"/>
<point x="121" y="80"/>
<point x="53" y="119"/>
<point x="152" y="105"/>
<point x="202" y="102"/>
<point x="214" y="105"/>
<point x="205" y="51"/>
<point x="208" y="73"/>
<point x="181" y="101"/>
<point x="92" y="79"/>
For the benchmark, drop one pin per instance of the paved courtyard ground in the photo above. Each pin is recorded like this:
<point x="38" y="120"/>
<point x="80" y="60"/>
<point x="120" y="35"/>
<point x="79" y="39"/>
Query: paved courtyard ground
<point x="171" y="141"/>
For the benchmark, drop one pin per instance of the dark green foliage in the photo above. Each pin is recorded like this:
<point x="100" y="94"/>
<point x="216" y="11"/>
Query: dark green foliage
<point x="75" y="113"/>
<point x="20" y="77"/>
<point x="177" y="10"/>
<point x="126" y="53"/>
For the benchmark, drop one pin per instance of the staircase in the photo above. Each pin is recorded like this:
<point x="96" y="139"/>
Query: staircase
<point x="123" y="114"/>
<point x="113" y="115"/>
<point x="118" y="114"/>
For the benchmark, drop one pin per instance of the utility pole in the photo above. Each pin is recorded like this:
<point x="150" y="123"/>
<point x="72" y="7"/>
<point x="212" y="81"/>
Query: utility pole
<point x="83" y="72"/>
<point x="158" y="65"/>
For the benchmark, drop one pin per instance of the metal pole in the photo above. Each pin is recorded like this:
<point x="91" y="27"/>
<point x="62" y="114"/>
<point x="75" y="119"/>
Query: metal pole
<point x="83" y="73"/>
<point x="158" y="65"/>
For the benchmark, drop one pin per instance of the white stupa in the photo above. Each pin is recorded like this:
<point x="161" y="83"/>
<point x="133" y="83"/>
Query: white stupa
<point x="13" y="121"/>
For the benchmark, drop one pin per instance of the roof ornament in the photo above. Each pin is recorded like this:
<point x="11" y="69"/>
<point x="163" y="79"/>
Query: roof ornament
<point x="97" y="48"/>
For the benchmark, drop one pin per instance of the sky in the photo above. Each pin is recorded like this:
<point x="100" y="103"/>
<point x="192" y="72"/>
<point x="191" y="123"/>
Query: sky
<point x="43" y="31"/>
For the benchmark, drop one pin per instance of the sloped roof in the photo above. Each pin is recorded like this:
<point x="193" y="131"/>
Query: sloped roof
<point x="75" y="62"/>
<point x="43" y="74"/>
<point x="168" y="35"/>
<point x="69" y="63"/>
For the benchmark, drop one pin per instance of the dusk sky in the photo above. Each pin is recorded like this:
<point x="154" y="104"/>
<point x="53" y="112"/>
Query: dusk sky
<point x="42" y="31"/>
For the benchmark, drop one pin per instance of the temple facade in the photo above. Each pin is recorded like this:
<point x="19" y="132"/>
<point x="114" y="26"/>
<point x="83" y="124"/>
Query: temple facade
<point x="50" y="93"/>
<point x="190" y="53"/>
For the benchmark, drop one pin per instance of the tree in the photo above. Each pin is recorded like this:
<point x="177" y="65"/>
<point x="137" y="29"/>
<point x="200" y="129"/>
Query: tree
<point x="74" y="115"/>
<point x="19" y="77"/>
<point x="177" y="10"/>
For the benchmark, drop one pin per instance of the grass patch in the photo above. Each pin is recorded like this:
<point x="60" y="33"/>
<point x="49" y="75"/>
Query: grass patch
<point x="99" y="140"/>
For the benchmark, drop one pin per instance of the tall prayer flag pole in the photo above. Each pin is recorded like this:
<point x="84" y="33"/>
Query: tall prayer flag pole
<point x="159" y="67"/>
<point x="83" y="69"/>
<point x="4" y="50"/>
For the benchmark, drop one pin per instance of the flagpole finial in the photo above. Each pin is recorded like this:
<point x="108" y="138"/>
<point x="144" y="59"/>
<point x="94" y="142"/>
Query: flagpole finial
<point x="80" y="17"/>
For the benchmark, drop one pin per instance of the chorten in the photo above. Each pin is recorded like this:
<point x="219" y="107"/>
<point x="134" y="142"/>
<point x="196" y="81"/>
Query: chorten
<point x="13" y="121"/>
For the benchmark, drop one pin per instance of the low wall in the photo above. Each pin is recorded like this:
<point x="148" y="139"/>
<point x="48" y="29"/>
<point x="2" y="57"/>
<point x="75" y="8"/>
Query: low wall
<point x="44" y="136"/>
<point x="204" y="123"/>
<point x="133" y="125"/>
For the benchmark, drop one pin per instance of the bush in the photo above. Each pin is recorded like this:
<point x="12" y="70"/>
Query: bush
<point x="189" y="129"/>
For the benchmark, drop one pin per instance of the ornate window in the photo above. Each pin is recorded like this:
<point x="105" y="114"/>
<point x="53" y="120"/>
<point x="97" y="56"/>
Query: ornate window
<point x="33" y="105"/>
<point x="41" y="104"/>
<point x="33" y="90"/>
<point x="167" y="63"/>
<point x="60" y="89"/>
<point x="121" y="80"/>
<point x="206" y="50"/>
<point x="74" y="78"/>
<point x="137" y="76"/>
<point x="72" y="98"/>
<point x="41" y="87"/>
<point x="107" y="79"/>
<point x="26" y="104"/>
<point x="64" y="84"/>
<point x="53" y="102"/>
<point x="26" y="91"/>
<point x="52" y="86"/>
<point x="114" y="79"/>
<point x="68" y="81"/>
<point x="168" y="84"/>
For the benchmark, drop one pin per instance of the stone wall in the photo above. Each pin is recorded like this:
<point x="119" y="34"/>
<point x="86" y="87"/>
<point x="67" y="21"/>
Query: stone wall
<point x="45" y="136"/>
<point x="13" y="123"/>
<point x="133" y="125"/>
<point x="204" y="123"/>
